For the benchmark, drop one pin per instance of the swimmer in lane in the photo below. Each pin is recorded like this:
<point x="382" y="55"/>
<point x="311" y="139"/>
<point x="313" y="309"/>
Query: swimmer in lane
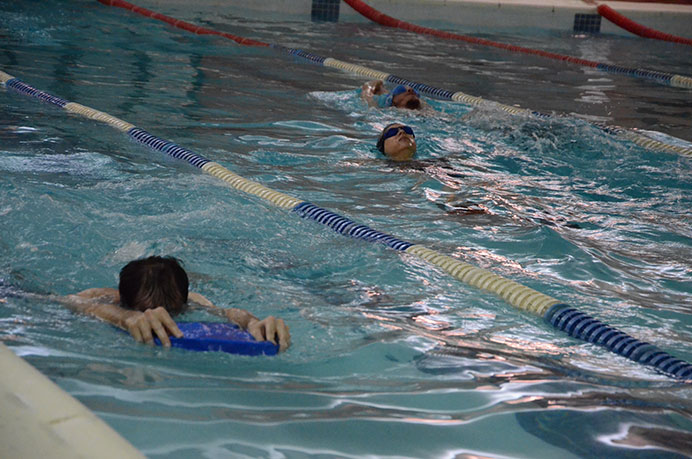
<point x="405" y="97"/>
<point x="151" y="291"/>
<point x="397" y="142"/>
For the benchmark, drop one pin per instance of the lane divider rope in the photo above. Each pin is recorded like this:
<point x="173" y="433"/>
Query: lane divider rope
<point x="631" y="26"/>
<point x="457" y="96"/>
<point x="559" y="315"/>
<point x="380" y="18"/>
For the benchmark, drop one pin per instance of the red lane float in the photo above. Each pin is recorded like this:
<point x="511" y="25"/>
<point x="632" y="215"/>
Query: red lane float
<point x="382" y="19"/>
<point x="638" y="29"/>
<point x="181" y="24"/>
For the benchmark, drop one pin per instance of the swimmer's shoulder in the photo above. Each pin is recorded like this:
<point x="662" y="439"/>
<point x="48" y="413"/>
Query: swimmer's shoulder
<point x="87" y="301"/>
<point x="99" y="294"/>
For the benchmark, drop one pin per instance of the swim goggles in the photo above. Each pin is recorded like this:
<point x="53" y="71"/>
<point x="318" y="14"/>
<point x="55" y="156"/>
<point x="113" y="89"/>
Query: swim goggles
<point x="400" y="90"/>
<point x="392" y="131"/>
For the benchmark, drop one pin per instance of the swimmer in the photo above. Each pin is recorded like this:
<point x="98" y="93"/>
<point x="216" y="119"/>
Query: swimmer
<point x="397" y="142"/>
<point x="401" y="97"/>
<point x="153" y="289"/>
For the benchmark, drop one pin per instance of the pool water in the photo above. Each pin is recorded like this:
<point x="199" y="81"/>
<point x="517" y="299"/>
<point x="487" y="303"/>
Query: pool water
<point x="391" y="357"/>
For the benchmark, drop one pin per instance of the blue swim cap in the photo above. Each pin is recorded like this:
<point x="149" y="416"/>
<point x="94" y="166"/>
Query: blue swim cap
<point x="399" y="90"/>
<point x="386" y="100"/>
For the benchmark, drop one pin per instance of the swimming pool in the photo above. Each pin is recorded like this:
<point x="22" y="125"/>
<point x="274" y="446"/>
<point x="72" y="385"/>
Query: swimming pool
<point x="390" y="357"/>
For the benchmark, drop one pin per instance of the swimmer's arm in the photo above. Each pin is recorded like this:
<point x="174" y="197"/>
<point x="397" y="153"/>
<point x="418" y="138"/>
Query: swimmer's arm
<point x="97" y="302"/>
<point x="240" y="317"/>
<point x="108" y="312"/>
<point x="370" y="89"/>
<point x="268" y="329"/>
<point x="102" y="303"/>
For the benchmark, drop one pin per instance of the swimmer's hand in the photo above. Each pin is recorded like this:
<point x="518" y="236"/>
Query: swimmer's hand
<point x="144" y="325"/>
<point x="373" y="87"/>
<point x="269" y="329"/>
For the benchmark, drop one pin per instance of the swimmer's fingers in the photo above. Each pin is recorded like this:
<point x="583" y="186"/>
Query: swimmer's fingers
<point x="263" y="330"/>
<point x="152" y="322"/>
<point x="154" y="325"/>
<point x="145" y="330"/>
<point x="256" y="329"/>
<point x="163" y="317"/>
<point x="161" y="323"/>
<point x="172" y="327"/>
<point x="284" y="335"/>
<point x="270" y="329"/>
<point x="132" y="325"/>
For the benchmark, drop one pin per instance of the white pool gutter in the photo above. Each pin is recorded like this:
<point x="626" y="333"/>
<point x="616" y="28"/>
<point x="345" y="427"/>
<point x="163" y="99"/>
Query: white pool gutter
<point x="40" y="420"/>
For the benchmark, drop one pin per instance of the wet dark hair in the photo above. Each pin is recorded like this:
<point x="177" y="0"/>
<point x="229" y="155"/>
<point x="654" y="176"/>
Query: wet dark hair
<point x="152" y="282"/>
<point x="380" y="139"/>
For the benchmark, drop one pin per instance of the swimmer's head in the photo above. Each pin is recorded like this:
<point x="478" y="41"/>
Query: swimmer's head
<point x="397" y="142"/>
<point x="400" y="97"/>
<point x="405" y="97"/>
<point x="153" y="282"/>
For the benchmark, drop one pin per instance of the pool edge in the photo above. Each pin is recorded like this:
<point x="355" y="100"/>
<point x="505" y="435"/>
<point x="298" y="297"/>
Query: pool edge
<point x="39" y="419"/>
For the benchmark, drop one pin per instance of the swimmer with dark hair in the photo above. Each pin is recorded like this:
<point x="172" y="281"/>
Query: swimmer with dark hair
<point x="374" y="94"/>
<point x="151" y="291"/>
<point x="397" y="142"/>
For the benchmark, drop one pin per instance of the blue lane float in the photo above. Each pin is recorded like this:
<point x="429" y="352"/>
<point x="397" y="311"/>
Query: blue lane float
<point x="169" y="148"/>
<point x="314" y="58"/>
<point x="559" y="315"/>
<point x="659" y="77"/>
<point x="24" y="88"/>
<point x="348" y="227"/>
<point x="432" y="91"/>
<point x="582" y="326"/>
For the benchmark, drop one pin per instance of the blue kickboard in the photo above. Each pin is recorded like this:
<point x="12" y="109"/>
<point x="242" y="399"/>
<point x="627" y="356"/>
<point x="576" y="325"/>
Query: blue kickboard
<point x="219" y="336"/>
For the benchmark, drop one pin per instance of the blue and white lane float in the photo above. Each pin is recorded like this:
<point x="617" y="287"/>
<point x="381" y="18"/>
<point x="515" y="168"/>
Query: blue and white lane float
<point x="560" y="315"/>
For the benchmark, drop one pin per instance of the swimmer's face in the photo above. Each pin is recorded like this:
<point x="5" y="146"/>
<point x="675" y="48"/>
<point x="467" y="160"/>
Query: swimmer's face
<point x="408" y="99"/>
<point x="399" y="144"/>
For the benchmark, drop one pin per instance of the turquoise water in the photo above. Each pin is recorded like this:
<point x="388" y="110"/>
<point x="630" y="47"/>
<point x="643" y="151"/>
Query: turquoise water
<point x="390" y="356"/>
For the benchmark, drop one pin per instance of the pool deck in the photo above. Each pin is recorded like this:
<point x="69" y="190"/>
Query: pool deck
<point x="41" y="420"/>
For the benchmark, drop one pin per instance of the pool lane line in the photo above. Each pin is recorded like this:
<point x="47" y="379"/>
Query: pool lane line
<point x="443" y="94"/>
<point x="378" y="17"/>
<point x="560" y="315"/>
<point x="629" y="25"/>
